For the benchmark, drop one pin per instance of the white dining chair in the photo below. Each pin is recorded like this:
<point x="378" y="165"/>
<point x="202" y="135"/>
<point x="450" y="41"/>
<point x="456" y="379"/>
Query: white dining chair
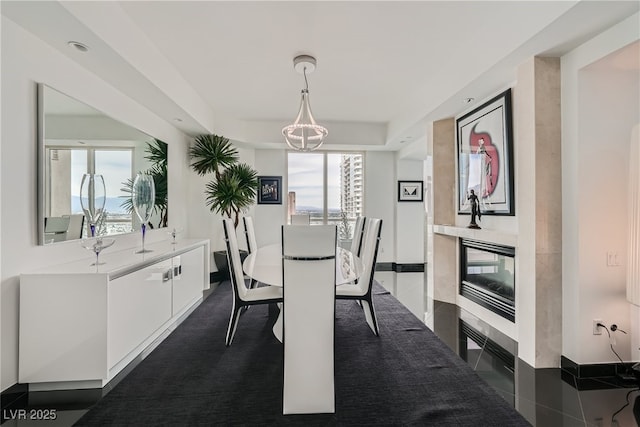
<point x="252" y="244"/>
<point x="76" y="225"/>
<point x="309" y="278"/>
<point x="56" y="228"/>
<point x="250" y="233"/>
<point x="242" y="296"/>
<point x="362" y="290"/>
<point x="300" y="219"/>
<point x="358" y="228"/>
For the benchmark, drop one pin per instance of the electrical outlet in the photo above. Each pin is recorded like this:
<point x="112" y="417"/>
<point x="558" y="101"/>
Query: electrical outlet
<point x="597" y="330"/>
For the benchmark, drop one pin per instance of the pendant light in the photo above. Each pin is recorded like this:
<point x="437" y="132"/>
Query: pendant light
<point x="304" y="134"/>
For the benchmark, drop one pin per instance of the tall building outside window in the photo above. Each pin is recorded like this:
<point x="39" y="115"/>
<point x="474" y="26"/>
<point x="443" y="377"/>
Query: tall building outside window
<point x="328" y="186"/>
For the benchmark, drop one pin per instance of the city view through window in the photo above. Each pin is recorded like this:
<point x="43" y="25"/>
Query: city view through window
<point x="328" y="187"/>
<point x="115" y="166"/>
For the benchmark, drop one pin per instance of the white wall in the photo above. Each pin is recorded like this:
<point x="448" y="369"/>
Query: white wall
<point x="26" y="61"/>
<point x="410" y="216"/>
<point x="269" y="218"/>
<point x="380" y="198"/>
<point x="599" y="109"/>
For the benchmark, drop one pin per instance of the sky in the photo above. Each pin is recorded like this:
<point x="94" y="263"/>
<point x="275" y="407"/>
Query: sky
<point x="305" y="178"/>
<point x="113" y="165"/>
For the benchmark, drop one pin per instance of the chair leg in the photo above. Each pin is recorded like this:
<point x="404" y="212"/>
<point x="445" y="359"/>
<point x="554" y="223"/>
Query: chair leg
<point x="233" y="324"/>
<point x="370" y="315"/>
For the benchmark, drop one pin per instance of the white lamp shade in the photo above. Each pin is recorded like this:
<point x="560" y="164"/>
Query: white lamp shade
<point x="633" y="263"/>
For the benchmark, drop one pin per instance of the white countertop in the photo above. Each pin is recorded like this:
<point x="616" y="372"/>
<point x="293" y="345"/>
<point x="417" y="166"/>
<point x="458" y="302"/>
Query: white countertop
<point x="121" y="261"/>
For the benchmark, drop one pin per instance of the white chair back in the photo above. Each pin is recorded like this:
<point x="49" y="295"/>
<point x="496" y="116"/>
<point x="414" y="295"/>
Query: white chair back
<point x="55" y="228"/>
<point x="249" y="230"/>
<point x="369" y="252"/>
<point x="233" y="259"/>
<point x="76" y="224"/>
<point x="300" y="219"/>
<point x="356" y="243"/>
<point x="309" y="269"/>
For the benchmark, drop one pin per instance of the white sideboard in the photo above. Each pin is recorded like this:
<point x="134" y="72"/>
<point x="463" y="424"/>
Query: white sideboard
<point x="80" y="324"/>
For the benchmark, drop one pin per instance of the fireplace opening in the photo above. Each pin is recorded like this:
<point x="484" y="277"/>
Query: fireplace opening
<point x="487" y="273"/>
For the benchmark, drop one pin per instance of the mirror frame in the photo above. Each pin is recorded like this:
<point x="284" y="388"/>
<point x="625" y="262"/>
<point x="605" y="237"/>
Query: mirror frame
<point x="40" y="150"/>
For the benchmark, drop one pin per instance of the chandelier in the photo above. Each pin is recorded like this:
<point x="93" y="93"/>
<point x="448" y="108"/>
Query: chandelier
<point x="304" y="134"/>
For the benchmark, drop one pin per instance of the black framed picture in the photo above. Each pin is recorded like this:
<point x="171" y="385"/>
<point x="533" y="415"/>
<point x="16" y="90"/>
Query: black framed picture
<point x="270" y="190"/>
<point x="410" y="191"/>
<point x="485" y="157"/>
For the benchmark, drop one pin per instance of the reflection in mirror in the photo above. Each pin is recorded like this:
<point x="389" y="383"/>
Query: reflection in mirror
<point x="75" y="139"/>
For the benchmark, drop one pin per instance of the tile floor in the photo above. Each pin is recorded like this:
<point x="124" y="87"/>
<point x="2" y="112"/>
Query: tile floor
<point x="540" y="395"/>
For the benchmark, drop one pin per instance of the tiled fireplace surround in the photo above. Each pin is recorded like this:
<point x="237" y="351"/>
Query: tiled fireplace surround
<point x="535" y="232"/>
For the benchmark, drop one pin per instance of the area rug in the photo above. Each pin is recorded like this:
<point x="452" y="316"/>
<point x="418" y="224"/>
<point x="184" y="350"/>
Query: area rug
<point x="406" y="376"/>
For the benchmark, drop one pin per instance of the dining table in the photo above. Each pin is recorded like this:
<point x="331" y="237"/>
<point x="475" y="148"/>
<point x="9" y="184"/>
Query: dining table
<point x="265" y="266"/>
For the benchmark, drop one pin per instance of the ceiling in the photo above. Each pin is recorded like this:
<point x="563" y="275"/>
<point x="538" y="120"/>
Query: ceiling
<point x="385" y="68"/>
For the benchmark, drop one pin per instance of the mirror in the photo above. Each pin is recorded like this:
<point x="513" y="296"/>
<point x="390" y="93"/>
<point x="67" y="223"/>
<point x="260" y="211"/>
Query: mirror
<point x="75" y="139"/>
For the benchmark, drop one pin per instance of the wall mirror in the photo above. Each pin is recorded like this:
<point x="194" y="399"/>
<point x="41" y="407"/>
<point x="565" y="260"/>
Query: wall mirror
<point x="75" y="139"/>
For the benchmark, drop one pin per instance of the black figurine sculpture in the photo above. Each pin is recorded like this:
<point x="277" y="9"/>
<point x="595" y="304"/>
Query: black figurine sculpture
<point x="475" y="209"/>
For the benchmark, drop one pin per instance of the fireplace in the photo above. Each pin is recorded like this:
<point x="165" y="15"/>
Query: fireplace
<point x="487" y="274"/>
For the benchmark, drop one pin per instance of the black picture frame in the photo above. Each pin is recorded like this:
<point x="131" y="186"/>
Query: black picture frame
<point x="410" y="191"/>
<point x="484" y="139"/>
<point x="270" y="190"/>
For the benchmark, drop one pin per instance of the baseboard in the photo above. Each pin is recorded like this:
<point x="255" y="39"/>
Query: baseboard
<point x="597" y="376"/>
<point x="400" y="267"/>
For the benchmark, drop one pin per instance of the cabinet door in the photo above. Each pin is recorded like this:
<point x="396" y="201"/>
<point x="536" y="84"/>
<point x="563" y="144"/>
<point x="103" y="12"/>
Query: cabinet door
<point x="139" y="303"/>
<point x="188" y="278"/>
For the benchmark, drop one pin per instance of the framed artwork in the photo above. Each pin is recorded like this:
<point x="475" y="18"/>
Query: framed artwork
<point x="410" y="191"/>
<point x="485" y="157"/>
<point x="269" y="190"/>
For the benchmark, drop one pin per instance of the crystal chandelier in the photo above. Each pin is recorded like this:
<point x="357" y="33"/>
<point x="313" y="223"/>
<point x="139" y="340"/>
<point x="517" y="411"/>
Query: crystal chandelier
<point x="304" y="134"/>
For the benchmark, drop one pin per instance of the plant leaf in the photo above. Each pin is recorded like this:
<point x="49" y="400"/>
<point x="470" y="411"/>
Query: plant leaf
<point x="212" y="154"/>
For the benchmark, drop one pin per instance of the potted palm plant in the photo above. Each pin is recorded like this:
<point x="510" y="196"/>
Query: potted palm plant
<point x="234" y="185"/>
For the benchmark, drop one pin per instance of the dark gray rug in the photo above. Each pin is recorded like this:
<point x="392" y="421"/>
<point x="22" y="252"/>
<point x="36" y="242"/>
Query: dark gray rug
<point x="407" y="376"/>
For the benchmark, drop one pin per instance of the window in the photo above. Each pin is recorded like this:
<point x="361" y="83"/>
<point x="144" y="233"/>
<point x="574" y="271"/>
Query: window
<point x="327" y="186"/>
<point x="114" y="164"/>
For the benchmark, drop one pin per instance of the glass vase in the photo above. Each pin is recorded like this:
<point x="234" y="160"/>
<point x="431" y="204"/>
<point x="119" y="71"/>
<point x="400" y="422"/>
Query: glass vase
<point x="143" y="196"/>
<point x="93" y="196"/>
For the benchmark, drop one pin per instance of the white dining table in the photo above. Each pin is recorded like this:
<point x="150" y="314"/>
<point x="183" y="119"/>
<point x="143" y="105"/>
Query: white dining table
<point x="265" y="266"/>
